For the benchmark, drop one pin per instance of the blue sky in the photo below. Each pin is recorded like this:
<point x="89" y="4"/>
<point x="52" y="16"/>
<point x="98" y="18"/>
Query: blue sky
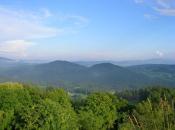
<point x="87" y="29"/>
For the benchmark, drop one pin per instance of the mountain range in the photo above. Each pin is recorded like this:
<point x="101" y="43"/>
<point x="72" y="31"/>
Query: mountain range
<point x="101" y="76"/>
<point x="129" y="62"/>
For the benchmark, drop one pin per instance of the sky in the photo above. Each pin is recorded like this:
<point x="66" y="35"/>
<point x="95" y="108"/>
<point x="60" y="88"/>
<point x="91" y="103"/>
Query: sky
<point x="87" y="29"/>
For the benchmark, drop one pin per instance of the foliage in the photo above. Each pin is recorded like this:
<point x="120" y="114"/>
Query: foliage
<point x="148" y="116"/>
<point x="99" y="112"/>
<point x="27" y="107"/>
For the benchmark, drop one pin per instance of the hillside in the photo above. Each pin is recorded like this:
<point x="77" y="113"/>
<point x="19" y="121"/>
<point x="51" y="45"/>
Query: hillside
<point x="117" y="77"/>
<point x="159" y="73"/>
<point x="66" y="73"/>
<point x="102" y="75"/>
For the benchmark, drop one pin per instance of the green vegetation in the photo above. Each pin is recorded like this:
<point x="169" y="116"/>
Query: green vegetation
<point x="26" y="107"/>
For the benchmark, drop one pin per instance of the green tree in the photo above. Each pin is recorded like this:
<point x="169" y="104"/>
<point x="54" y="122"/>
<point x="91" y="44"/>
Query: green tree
<point x="98" y="113"/>
<point x="52" y="113"/>
<point x="148" y="116"/>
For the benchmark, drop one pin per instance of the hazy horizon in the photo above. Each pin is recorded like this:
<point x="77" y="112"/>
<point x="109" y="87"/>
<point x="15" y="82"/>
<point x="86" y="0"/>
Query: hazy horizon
<point x="87" y="30"/>
<point x="89" y="63"/>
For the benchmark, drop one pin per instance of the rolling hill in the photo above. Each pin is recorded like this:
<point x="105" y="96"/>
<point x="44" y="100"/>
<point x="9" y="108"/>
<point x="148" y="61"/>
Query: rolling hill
<point x="160" y="73"/>
<point x="102" y="75"/>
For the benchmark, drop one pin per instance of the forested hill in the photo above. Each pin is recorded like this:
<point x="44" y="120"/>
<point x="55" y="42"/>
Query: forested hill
<point x="103" y="75"/>
<point x="160" y="73"/>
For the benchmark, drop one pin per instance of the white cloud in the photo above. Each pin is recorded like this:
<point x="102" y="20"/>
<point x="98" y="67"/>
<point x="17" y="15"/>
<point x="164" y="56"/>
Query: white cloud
<point x="27" y="26"/>
<point x="164" y="3"/>
<point x="15" y="48"/>
<point x="24" y="25"/>
<point x="19" y="24"/>
<point x="159" y="53"/>
<point x="162" y="7"/>
<point x="165" y="7"/>
<point x="166" y="12"/>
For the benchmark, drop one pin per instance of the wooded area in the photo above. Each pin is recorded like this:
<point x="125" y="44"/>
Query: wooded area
<point x="33" y="108"/>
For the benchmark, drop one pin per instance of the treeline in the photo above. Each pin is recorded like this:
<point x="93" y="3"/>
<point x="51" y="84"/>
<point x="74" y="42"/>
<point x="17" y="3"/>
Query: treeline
<point x="26" y="107"/>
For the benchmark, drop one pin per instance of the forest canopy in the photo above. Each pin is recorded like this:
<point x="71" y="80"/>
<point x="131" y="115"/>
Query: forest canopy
<point x="30" y="107"/>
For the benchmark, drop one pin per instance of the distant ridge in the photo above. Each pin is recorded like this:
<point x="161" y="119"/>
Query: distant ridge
<point x="102" y="75"/>
<point x="62" y="62"/>
<point x="129" y="62"/>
